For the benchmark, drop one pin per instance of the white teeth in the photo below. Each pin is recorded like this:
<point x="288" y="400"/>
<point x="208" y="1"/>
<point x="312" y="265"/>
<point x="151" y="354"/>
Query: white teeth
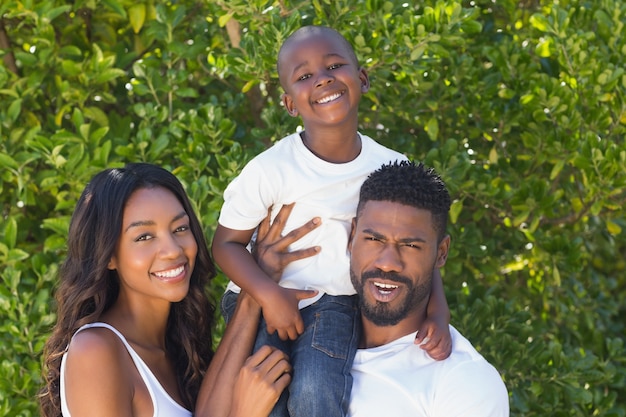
<point x="170" y="273"/>
<point x="329" y="98"/>
<point x="386" y="286"/>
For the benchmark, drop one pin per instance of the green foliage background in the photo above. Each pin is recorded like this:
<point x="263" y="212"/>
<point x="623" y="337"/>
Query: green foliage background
<point x="519" y="104"/>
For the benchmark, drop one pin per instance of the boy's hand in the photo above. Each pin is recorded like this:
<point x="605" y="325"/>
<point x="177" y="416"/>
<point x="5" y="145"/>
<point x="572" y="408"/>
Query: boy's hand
<point x="435" y="339"/>
<point x="271" y="249"/>
<point x="281" y="312"/>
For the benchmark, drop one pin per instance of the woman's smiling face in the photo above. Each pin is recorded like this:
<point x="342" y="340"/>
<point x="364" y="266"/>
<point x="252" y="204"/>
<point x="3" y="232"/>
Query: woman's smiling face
<point x="156" y="251"/>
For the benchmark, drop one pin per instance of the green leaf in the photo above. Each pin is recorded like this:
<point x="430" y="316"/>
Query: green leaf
<point x="455" y="210"/>
<point x="613" y="228"/>
<point x="137" y="16"/>
<point x="432" y="128"/>
<point x="539" y="22"/>
<point x="223" y="19"/>
<point x="7" y="161"/>
<point x="10" y="232"/>
<point x="55" y="12"/>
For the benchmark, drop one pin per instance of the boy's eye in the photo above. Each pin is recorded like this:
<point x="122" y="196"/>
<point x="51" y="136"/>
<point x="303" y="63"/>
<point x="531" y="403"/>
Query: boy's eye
<point x="304" y="77"/>
<point x="335" y="66"/>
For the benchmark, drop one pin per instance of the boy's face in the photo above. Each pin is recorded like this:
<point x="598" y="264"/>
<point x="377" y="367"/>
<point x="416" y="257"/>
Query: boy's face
<point x="322" y="80"/>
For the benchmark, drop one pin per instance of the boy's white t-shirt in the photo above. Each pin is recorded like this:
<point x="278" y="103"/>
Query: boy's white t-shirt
<point x="400" y="379"/>
<point x="289" y="172"/>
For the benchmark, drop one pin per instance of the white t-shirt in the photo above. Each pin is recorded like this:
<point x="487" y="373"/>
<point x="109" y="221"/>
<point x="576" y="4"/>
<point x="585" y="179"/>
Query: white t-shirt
<point x="289" y="172"/>
<point x="399" y="379"/>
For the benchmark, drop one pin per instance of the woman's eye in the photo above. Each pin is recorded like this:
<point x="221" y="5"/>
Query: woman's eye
<point x="143" y="237"/>
<point x="182" y="228"/>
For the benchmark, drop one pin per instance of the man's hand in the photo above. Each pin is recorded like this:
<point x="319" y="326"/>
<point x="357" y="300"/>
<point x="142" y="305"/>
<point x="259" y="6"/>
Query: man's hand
<point x="271" y="249"/>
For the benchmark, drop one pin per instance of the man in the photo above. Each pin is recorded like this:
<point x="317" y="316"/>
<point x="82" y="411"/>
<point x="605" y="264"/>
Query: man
<point x="398" y="239"/>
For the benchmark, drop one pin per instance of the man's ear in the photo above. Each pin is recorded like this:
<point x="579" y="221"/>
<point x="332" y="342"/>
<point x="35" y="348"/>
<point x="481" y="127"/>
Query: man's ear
<point x="289" y="106"/>
<point x="352" y="232"/>
<point x="442" y="251"/>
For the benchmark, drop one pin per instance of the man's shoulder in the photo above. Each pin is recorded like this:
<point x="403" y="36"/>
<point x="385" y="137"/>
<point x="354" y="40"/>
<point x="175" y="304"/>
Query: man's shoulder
<point x="469" y="372"/>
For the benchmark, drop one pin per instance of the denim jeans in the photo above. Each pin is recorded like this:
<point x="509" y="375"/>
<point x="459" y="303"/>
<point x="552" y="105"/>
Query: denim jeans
<point x="321" y="356"/>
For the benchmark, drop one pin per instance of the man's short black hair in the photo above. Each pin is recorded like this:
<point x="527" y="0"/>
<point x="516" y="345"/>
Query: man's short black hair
<point x="413" y="185"/>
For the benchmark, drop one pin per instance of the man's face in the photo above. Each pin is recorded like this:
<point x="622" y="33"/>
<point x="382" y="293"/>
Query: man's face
<point x="394" y="250"/>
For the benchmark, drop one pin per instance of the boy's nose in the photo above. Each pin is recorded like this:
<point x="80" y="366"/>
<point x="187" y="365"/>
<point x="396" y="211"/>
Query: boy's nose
<point x="324" y="79"/>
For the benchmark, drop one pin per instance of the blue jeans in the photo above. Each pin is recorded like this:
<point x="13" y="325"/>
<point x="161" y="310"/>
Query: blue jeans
<point x="321" y="356"/>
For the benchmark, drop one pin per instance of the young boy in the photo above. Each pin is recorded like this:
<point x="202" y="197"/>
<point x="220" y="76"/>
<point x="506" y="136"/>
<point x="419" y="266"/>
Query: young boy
<point x="320" y="169"/>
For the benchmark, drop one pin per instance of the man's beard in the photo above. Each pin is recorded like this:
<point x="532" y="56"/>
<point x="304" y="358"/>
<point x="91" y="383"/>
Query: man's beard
<point x="382" y="314"/>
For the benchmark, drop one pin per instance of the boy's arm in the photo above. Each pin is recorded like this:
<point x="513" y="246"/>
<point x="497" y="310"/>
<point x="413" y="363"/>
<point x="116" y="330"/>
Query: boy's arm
<point x="230" y="254"/>
<point x="279" y="305"/>
<point x="434" y="335"/>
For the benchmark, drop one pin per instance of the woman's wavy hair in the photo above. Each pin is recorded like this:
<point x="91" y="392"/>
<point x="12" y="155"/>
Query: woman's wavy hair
<point x="88" y="288"/>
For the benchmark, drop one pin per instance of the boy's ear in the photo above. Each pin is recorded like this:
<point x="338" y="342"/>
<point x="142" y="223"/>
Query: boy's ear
<point x="289" y="106"/>
<point x="365" y="80"/>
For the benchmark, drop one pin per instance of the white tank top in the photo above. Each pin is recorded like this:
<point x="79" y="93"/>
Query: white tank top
<point x="162" y="403"/>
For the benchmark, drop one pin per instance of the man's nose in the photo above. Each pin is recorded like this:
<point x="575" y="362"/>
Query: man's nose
<point x="389" y="259"/>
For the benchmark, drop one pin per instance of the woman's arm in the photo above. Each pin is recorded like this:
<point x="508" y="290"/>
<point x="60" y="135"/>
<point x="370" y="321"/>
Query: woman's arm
<point x="234" y="380"/>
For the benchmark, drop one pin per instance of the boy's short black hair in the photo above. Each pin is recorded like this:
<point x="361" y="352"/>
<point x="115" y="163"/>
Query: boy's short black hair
<point x="307" y="31"/>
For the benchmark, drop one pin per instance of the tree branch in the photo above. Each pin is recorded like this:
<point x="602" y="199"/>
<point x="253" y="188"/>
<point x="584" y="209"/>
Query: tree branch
<point x="5" y="43"/>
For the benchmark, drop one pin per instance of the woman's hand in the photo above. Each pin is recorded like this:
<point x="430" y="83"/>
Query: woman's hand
<point x="261" y="380"/>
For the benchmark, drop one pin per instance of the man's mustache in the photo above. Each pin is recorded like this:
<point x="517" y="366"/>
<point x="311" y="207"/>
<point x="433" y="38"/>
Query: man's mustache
<point x="386" y="275"/>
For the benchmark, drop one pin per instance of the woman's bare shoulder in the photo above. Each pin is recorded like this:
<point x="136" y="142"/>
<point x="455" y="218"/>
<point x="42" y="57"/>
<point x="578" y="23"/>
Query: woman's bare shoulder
<point x="98" y="374"/>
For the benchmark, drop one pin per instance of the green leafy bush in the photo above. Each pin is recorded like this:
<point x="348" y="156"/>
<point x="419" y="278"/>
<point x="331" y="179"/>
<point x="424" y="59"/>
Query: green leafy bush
<point x="520" y="105"/>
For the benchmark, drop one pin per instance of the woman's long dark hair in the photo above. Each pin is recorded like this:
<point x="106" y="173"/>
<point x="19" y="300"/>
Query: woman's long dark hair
<point x="88" y="288"/>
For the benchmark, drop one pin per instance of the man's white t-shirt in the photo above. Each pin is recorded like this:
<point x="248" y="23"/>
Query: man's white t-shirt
<point x="399" y="379"/>
<point x="289" y="172"/>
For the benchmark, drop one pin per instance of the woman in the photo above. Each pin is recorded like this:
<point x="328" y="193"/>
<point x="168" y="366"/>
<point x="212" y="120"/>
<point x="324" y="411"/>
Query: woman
<point x="133" y="333"/>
